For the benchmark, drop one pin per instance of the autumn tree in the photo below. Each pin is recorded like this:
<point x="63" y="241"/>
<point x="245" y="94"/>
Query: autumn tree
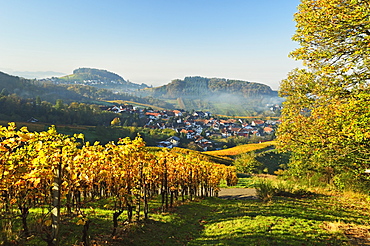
<point x="326" y="117"/>
<point x="59" y="105"/>
<point x="116" y="122"/>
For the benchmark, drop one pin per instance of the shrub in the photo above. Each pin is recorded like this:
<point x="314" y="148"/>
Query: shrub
<point x="247" y="163"/>
<point x="287" y="189"/>
<point x="265" y="190"/>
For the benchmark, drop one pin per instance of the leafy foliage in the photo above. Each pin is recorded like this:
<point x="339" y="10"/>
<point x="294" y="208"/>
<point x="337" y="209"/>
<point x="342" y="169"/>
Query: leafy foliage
<point x="273" y="161"/>
<point x="326" y="114"/>
<point x="37" y="168"/>
<point x="99" y="74"/>
<point x="247" y="163"/>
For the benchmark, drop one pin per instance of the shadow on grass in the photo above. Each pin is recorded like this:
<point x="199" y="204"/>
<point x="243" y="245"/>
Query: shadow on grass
<point x="214" y="221"/>
<point x="100" y="229"/>
<point x="285" y="221"/>
<point x="177" y="227"/>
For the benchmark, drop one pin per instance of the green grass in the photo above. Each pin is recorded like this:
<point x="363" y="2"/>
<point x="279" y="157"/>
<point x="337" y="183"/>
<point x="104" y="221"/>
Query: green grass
<point x="321" y="219"/>
<point x="285" y="221"/>
<point x="242" y="183"/>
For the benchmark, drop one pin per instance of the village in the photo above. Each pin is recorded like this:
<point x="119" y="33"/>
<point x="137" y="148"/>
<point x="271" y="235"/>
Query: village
<point x="201" y="129"/>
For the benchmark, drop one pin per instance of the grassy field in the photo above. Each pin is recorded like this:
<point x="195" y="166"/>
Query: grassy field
<point x="320" y="220"/>
<point x="241" y="149"/>
<point x="326" y="218"/>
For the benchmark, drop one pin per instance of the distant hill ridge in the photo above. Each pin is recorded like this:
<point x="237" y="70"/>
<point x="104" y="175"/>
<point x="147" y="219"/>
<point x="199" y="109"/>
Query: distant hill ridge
<point x="93" y="73"/>
<point x="50" y="91"/>
<point x="200" y="86"/>
<point x="98" y="78"/>
<point x="217" y="95"/>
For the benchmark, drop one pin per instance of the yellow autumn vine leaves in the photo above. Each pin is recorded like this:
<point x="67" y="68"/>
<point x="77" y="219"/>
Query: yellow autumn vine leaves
<point x="121" y="169"/>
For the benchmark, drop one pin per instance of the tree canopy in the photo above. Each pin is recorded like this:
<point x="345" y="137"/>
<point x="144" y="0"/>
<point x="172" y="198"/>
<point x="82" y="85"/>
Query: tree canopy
<point x="326" y="117"/>
<point x="199" y="87"/>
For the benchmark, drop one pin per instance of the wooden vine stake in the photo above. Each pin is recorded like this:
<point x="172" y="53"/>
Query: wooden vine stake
<point x="55" y="212"/>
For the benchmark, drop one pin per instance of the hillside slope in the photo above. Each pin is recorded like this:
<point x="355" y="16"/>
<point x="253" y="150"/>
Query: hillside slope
<point x="48" y="91"/>
<point x="196" y="87"/>
<point x="219" y="96"/>
<point x="99" y="78"/>
<point x="27" y="88"/>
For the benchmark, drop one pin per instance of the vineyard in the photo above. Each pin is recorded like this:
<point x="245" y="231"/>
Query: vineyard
<point x="241" y="149"/>
<point x="61" y="175"/>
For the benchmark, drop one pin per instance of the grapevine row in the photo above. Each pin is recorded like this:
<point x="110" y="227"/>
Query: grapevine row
<point x="48" y="169"/>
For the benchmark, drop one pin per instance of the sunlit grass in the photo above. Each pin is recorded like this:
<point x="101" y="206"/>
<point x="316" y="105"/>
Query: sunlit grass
<point x="325" y="218"/>
<point x="317" y="220"/>
<point x="242" y="183"/>
<point x="285" y="221"/>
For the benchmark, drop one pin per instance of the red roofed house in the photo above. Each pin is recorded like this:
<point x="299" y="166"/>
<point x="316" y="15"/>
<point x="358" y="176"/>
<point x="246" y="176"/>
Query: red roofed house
<point x="268" y="130"/>
<point x="153" y="115"/>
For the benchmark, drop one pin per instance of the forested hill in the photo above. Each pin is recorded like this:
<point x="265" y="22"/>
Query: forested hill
<point x="31" y="88"/>
<point x="98" y="78"/>
<point x="50" y="92"/>
<point x="200" y="87"/>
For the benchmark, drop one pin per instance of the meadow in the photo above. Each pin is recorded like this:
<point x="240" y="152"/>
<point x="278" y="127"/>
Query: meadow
<point x="322" y="218"/>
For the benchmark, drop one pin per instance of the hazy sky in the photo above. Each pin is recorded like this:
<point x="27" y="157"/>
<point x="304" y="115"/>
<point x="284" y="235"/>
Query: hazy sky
<point x="151" y="41"/>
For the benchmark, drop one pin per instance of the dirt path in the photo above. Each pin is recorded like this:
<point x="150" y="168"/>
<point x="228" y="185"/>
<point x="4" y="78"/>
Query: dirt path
<point x="237" y="193"/>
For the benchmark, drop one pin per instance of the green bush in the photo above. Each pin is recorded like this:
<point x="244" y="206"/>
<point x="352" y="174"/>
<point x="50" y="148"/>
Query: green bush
<point x="288" y="189"/>
<point x="350" y="181"/>
<point x="265" y="190"/>
<point x="247" y="163"/>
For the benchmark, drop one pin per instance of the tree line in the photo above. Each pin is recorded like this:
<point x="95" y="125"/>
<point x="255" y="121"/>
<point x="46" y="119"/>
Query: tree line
<point x="199" y="86"/>
<point x="15" y="108"/>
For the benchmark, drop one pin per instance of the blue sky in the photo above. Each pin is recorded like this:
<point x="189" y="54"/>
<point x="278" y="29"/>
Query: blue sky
<point x="151" y="41"/>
